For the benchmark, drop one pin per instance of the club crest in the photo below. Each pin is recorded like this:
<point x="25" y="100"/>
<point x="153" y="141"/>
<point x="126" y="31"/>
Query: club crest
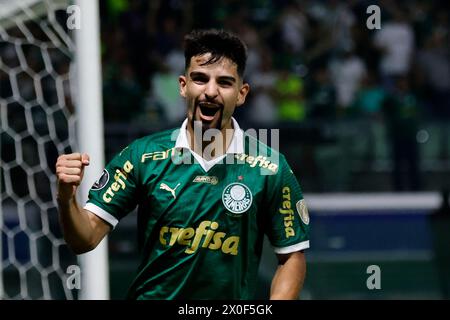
<point x="237" y="198"/>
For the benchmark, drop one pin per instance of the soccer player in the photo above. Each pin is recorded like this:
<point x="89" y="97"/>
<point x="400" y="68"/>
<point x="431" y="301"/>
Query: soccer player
<point x="202" y="211"/>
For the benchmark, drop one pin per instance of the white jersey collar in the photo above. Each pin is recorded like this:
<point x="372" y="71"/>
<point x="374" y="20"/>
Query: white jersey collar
<point x="236" y="146"/>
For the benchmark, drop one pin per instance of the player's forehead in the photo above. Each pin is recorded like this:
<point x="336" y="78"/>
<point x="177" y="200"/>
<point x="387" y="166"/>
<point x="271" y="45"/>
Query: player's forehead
<point x="223" y="65"/>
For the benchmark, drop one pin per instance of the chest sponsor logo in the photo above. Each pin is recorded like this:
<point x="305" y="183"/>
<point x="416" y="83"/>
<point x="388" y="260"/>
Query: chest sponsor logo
<point x="237" y="198"/>
<point x="157" y="155"/>
<point x="206" y="179"/>
<point x="102" y="181"/>
<point x="213" y="239"/>
<point x="261" y="161"/>
<point x="302" y="211"/>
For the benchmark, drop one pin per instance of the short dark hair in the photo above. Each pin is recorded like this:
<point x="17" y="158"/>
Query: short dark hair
<point x="219" y="43"/>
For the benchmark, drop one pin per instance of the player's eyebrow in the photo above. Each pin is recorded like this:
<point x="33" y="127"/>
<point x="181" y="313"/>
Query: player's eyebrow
<point x="195" y="74"/>
<point x="228" y="78"/>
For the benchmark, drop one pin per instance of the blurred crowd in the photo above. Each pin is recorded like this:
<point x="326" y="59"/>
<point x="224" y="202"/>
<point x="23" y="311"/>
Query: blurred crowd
<point x="356" y="99"/>
<point x="308" y="60"/>
<point x="311" y="63"/>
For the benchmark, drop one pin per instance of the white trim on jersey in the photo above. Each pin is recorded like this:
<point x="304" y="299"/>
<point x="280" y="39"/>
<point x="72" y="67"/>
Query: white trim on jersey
<point x="293" y="248"/>
<point x="99" y="212"/>
<point x="236" y="145"/>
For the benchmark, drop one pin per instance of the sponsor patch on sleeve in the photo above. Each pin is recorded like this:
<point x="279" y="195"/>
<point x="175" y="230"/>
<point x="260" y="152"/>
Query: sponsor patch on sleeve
<point x="302" y="211"/>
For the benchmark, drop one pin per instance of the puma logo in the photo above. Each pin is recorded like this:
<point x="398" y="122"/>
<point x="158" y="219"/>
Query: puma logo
<point x="167" y="188"/>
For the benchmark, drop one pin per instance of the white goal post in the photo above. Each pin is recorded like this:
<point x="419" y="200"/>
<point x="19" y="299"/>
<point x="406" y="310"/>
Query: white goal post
<point x="50" y="103"/>
<point x="90" y="134"/>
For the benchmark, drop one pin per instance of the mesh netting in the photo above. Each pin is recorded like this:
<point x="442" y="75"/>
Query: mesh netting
<point x="37" y="124"/>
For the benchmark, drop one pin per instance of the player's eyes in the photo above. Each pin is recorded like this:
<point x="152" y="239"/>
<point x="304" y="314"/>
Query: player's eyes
<point x="225" y="83"/>
<point x="200" y="79"/>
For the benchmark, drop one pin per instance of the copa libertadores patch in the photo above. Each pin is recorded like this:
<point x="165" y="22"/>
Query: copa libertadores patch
<point x="102" y="181"/>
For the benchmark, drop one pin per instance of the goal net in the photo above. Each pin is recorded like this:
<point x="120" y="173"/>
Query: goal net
<point x="37" y="124"/>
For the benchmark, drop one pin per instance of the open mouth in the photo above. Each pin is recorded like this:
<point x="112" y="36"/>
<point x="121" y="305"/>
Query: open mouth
<point x="208" y="110"/>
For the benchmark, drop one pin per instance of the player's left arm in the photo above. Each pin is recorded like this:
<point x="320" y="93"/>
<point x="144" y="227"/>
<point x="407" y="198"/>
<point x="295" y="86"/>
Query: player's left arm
<point x="289" y="276"/>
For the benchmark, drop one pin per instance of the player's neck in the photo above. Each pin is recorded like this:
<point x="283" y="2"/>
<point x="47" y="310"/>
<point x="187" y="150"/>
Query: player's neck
<point x="210" y="146"/>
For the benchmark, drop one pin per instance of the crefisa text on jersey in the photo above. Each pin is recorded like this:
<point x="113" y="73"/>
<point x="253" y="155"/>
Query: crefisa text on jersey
<point x="226" y="309"/>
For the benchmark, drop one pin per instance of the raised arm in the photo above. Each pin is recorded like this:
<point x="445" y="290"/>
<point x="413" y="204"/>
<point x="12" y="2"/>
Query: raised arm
<point x="82" y="229"/>
<point x="289" y="277"/>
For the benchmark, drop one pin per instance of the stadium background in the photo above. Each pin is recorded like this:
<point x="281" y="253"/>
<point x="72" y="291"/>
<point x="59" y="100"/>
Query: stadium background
<point x="316" y="73"/>
<point x="359" y="111"/>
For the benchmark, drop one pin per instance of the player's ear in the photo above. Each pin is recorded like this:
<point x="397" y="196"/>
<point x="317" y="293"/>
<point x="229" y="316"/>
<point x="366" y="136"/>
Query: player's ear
<point x="182" y="81"/>
<point x="243" y="91"/>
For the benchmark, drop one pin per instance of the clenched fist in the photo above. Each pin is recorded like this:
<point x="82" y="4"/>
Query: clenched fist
<point x="69" y="171"/>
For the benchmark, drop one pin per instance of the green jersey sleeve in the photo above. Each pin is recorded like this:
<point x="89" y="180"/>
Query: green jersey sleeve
<point x="287" y="218"/>
<point x="114" y="194"/>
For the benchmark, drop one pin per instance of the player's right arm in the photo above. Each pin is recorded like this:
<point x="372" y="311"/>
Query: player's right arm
<point x="82" y="229"/>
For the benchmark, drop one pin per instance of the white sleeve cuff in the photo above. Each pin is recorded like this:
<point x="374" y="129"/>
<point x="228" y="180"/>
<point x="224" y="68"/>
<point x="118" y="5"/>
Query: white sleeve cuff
<point x="99" y="212"/>
<point x="293" y="248"/>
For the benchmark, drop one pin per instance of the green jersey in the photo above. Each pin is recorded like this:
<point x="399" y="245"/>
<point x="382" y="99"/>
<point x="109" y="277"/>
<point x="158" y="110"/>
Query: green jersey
<point x="201" y="223"/>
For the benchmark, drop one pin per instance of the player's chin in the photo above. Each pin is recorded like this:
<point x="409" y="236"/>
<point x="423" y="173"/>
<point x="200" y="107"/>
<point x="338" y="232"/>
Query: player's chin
<point x="206" y="125"/>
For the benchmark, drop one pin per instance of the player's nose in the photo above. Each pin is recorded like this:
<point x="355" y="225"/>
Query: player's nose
<point x="211" y="90"/>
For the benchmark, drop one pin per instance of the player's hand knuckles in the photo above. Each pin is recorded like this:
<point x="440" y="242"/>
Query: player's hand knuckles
<point x="62" y="170"/>
<point x="73" y="163"/>
<point x="66" y="178"/>
<point x="76" y="155"/>
<point x="59" y="162"/>
<point x="61" y="173"/>
<point x="67" y="157"/>
<point x="75" y="176"/>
